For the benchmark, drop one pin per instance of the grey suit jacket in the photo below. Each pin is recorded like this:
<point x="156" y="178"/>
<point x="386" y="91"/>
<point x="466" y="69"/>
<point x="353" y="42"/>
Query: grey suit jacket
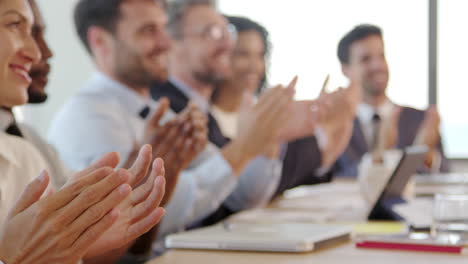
<point x="410" y="121"/>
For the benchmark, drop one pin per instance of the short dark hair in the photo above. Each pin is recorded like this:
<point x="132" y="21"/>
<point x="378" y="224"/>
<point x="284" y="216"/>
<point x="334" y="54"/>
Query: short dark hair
<point x="243" y="24"/>
<point x="358" y="33"/>
<point x="177" y="10"/>
<point x="101" y="13"/>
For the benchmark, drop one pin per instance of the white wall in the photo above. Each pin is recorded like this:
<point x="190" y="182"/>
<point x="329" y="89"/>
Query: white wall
<point x="71" y="66"/>
<point x="304" y="34"/>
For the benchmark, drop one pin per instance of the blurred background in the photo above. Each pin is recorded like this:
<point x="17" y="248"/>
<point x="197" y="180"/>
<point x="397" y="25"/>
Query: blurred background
<point x="304" y="35"/>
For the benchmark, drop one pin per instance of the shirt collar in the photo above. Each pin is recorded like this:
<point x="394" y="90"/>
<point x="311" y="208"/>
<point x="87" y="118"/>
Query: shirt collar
<point x="366" y="112"/>
<point x="6" y="119"/>
<point x="128" y="98"/>
<point x="5" y="148"/>
<point x="191" y="93"/>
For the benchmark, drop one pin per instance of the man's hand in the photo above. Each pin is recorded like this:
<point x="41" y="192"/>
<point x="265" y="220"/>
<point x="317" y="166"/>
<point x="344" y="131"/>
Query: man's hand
<point x="61" y="227"/>
<point x="429" y="136"/>
<point x="260" y="126"/>
<point x="428" y="133"/>
<point x="337" y="113"/>
<point x="302" y="121"/>
<point x="177" y="141"/>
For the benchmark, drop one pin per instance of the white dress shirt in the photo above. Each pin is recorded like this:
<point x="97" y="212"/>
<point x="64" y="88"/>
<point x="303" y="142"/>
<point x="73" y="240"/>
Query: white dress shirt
<point x="366" y="113"/>
<point x="104" y="117"/>
<point x="20" y="164"/>
<point x="57" y="170"/>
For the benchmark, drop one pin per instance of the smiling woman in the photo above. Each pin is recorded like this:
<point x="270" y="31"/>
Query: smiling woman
<point x="19" y="51"/>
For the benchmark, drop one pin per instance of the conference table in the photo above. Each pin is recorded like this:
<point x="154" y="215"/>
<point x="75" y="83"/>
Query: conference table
<point x="339" y="202"/>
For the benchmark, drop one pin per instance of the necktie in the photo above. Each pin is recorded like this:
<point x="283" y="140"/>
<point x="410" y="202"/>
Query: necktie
<point x="14" y="130"/>
<point x="376" y="120"/>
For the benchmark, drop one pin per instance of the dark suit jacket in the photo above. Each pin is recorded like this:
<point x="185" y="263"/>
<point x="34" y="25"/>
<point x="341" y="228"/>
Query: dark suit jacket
<point x="300" y="163"/>
<point x="410" y="121"/>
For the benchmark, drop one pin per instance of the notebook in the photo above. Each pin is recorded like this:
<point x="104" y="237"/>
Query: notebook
<point x="278" y="237"/>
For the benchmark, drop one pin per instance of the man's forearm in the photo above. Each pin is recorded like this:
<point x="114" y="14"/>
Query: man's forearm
<point x="238" y="159"/>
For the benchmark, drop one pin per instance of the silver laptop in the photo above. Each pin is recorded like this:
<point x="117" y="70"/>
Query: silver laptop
<point x="291" y="237"/>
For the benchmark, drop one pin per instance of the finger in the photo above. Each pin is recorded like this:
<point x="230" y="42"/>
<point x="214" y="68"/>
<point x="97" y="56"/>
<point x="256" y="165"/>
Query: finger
<point x="31" y="194"/>
<point x="432" y="115"/>
<point x="192" y="149"/>
<point x="108" y="160"/>
<point x="197" y="114"/>
<point x="292" y="85"/>
<point x="162" y="131"/>
<point x="159" y="113"/>
<point x="94" y="232"/>
<point x="280" y="107"/>
<point x="187" y="112"/>
<point x="199" y="117"/>
<point x="68" y="193"/>
<point x="248" y="100"/>
<point x="96" y="212"/>
<point x="166" y="144"/>
<point x="50" y="192"/>
<point x="273" y="100"/>
<point x="140" y="167"/>
<point x="143" y="226"/>
<point x="267" y="94"/>
<point x="198" y="124"/>
<point x="325" y="85"/>
<point x="176" y="151"/>
<point x="92" y="195"/>
<point x="200" y="139"/>
<point x="153" y="201"/>
<point x="144" y="190"/>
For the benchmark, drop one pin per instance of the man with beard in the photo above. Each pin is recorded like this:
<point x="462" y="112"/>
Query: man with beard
<point x="361" y="52"/>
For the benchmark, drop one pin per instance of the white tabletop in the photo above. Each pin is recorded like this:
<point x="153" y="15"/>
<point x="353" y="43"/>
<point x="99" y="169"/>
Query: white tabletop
<point x="339" y="202"/>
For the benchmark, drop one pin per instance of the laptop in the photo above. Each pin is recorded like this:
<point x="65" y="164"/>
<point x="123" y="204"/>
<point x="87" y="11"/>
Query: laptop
<point x="412" y="159"/>
<point x="430" y="184"/>
<point x="278" y="237"/>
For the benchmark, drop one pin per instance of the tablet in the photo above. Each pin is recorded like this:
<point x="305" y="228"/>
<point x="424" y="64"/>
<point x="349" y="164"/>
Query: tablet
<point x="412" y="159"/>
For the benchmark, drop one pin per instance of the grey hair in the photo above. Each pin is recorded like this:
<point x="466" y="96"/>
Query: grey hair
<point x="177" y="10"/>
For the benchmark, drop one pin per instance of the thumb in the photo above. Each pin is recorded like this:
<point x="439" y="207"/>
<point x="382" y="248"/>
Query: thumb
<point x="325" y="85"/>
<point x="432" y="114"/>
<point x="31" y="194"/>
<point x="247" y="101"/>
<point x="292" y="85"/>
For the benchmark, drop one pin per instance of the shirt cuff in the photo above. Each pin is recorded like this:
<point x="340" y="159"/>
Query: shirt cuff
<point x="322" y="141"/>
